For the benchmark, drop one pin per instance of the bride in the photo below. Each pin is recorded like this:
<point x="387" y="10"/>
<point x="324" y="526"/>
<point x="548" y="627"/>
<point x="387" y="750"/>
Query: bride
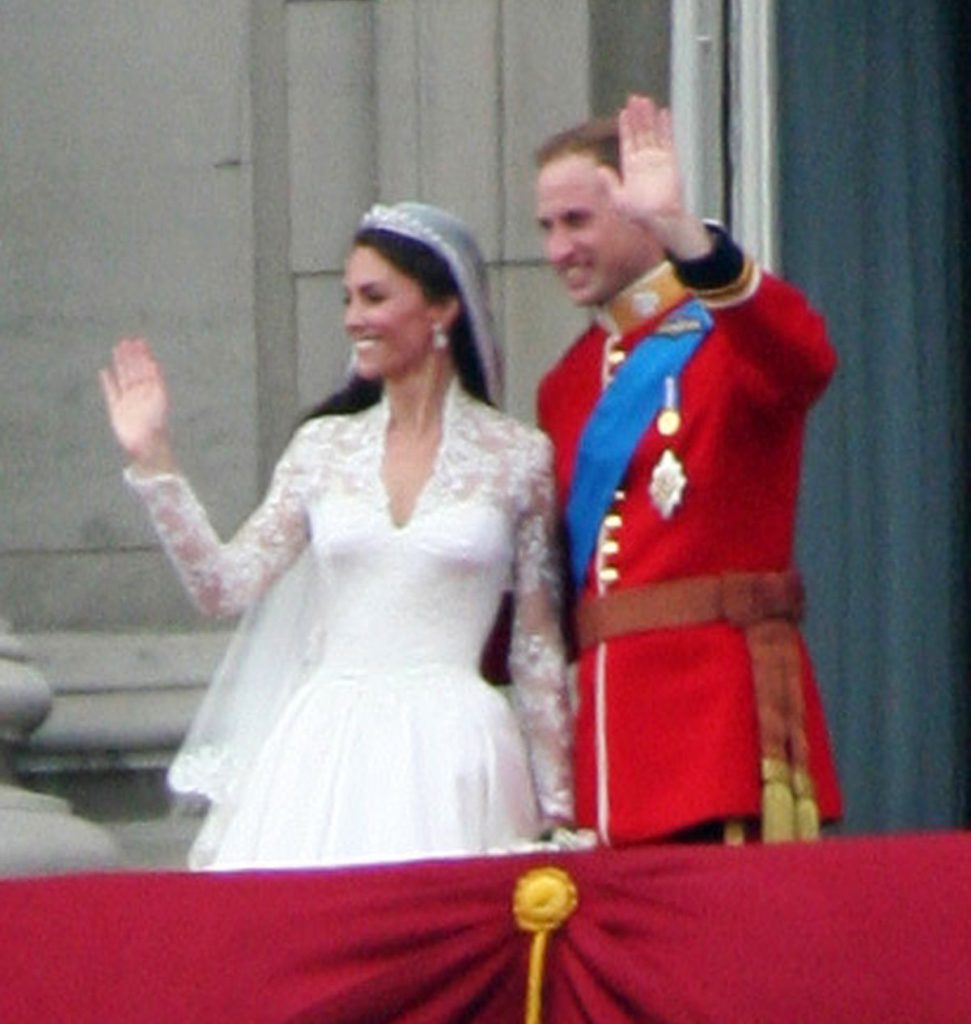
<point x="349" y="722"/>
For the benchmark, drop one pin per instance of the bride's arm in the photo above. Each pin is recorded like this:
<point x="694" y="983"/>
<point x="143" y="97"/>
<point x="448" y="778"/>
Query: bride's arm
<point x="537" y="658"/>
<point x="222" y="579"/>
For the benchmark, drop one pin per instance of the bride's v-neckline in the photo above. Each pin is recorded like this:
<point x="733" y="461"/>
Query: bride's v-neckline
<point x="400" y="524"/>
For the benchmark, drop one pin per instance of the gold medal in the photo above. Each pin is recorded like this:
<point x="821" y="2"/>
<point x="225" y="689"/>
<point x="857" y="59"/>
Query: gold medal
<point x="668" y="422"/>
<point x="669" y="418"/>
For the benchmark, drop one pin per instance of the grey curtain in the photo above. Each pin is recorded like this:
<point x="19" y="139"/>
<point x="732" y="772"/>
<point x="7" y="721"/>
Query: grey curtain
<point x="872" y="217"/>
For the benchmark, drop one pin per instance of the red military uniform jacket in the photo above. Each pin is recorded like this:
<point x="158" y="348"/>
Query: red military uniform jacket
<point x="666" y="731"/>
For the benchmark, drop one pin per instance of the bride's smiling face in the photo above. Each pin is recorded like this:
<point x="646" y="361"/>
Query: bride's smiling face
<point x="387" y="317"/>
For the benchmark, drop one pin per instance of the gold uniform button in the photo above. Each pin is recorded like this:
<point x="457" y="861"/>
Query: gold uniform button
<point x="609" y="547"/>
<point x="616" y="357"/>
<point x="619" y="495"/>
<point x="613" y="521"/>
<point x="608" y="574"/>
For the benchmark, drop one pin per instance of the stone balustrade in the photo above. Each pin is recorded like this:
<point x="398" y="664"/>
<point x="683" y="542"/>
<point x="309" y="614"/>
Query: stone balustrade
<point x="39" y="834"/>
<point x="120" y="706"/>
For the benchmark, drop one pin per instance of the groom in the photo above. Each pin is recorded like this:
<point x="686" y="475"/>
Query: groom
<point x="677" y="420"/>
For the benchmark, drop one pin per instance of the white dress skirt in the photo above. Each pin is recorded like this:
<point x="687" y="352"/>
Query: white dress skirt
<point x="433" y="764"/>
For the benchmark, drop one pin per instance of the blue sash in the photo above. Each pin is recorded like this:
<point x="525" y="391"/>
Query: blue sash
<point x="620" y="418"/>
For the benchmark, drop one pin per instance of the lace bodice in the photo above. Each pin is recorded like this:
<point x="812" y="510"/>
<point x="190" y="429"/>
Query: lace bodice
<point x="394" y="599"/>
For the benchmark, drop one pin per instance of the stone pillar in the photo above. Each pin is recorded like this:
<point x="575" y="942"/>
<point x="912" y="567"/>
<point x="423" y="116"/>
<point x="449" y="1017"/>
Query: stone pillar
<point x="38" y="833"/>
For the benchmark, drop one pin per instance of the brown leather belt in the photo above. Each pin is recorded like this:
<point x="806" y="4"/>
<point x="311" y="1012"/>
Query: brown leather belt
<point x="765" y="606"/>
<point x="741" y="598"/>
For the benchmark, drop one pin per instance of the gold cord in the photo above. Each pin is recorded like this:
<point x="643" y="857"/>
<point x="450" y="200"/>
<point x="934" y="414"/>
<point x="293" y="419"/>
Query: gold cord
<point x="543" y="899"/>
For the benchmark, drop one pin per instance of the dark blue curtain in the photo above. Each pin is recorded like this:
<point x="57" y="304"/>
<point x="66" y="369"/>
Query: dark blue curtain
<point x="872" y="151"/>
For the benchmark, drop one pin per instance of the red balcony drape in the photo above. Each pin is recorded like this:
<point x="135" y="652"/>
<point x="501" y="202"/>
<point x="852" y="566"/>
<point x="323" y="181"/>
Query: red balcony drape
<point x="854" y="930"/>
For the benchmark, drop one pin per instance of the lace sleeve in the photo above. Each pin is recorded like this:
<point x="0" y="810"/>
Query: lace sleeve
<point x="536" y="657"/>
<point x="225" y="578"/>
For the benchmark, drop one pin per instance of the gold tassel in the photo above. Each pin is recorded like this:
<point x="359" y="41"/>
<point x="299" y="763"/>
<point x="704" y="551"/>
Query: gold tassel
<point x="778" y="805"/>
<point x="807" y="810"/>
<point x="734" y="834"/>
<point x="543" y="899"/>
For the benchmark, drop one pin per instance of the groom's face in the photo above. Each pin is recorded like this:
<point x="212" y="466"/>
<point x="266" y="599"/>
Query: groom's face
<point x="594" y="250"/>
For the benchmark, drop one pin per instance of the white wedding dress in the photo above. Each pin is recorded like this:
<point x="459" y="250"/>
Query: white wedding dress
<point x="363" y="731"/>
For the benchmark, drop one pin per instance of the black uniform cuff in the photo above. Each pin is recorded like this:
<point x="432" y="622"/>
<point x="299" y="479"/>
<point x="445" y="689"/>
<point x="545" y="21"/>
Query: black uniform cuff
<point x="722" y="267"/>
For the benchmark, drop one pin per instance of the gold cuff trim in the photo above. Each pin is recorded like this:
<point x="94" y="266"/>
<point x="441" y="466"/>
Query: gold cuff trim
<point x="738" y="291"/>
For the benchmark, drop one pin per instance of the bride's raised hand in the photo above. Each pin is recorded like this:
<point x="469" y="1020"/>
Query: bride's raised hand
<point x="138" y="405"/>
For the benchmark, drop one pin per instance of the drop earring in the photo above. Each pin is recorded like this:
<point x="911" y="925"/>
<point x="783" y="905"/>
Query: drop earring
<point x="439" y="338"/>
